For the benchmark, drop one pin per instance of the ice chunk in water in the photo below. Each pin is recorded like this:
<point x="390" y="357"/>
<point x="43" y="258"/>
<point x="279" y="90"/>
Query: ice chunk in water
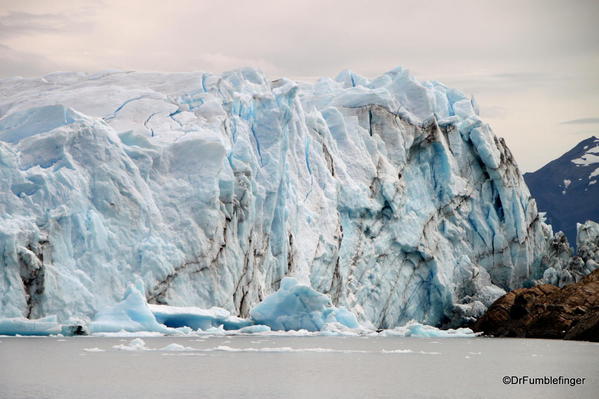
<point x="296" y="306"/>
<point x="197" y="318"/>
<point x="131" y="314"/>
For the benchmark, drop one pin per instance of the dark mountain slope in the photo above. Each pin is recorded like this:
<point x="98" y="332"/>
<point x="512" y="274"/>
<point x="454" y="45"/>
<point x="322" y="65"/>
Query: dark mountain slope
<point x="567" y="188"/>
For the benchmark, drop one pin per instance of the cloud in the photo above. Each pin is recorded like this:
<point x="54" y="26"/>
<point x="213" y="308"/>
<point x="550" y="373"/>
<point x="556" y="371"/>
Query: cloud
<point x="20" y="23"/>
<point x="493" y="112"/>
<point x="14" y="24"/>
<point x="581" y="121"/>
<point x="23" y="63"/>
<point x="505" y="81"/>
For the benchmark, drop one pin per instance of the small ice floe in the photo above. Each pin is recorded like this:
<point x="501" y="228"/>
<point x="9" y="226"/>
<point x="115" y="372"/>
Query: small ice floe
<point x="176" y="348"/>
<point x="284" y="349"/>
<point x="139" y="344"/>
<point x="220" y="330"/>
<point x="397" y="351"/>
<point x="415" y="329"/>
<point x="255" y="329"/>
<point x="136" y="344"/>
<point x="127" y="334"/>
<point x="402" y="351"/>
<point x="93" y="350"/>
<point x="287" y="349"/>
<point x="183" y="353"/>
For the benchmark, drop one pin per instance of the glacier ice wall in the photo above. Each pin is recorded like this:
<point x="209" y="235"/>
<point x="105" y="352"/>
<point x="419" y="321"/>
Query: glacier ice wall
<point x="390" y="195"/>
<point x="563" y="267"/>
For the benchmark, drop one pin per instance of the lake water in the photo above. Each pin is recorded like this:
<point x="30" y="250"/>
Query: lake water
<point x="292" y="367"/>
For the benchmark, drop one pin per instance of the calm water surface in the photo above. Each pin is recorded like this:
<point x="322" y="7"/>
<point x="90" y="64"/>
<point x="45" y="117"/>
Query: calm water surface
<point x="292" y="367"/>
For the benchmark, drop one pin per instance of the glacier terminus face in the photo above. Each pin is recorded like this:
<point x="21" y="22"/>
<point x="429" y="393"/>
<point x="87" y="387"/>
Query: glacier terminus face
<point x="390" y="195"/>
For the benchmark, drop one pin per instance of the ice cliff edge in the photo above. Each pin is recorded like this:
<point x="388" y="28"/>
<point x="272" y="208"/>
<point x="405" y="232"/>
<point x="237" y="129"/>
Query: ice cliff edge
<point x="389" y="195"/>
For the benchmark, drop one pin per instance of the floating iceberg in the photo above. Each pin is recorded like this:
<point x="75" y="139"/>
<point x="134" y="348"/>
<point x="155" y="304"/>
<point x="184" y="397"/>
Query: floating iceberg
<point x="48" y="325"/>
<point x="22" y="326"/>
<point x="298" y="307"/>
<point x="132" y="314"/>
<point x="197" y="318"/>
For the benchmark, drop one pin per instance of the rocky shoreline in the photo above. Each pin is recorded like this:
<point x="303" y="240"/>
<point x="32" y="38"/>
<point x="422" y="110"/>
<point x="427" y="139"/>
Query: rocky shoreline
<point x="546" y="311"/>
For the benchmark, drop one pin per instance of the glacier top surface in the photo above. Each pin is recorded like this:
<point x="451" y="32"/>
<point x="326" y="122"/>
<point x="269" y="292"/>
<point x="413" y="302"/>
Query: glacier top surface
<point x="170" y="107"/>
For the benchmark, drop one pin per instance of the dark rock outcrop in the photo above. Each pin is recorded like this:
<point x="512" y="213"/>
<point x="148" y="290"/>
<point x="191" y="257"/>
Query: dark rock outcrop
<point x="546" y="311"/>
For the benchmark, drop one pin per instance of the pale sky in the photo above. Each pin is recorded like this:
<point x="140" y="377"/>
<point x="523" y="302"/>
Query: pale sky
<point x="533" y="66"/>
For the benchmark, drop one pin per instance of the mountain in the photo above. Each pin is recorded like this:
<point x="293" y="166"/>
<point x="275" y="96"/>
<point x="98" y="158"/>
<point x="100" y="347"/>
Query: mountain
<point x="389" y="195"/>
<point x="566" y="188"/>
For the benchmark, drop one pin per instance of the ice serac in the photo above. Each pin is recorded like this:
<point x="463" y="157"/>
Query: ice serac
<point x="563" y="267"/>
<point x="390" y="195"/>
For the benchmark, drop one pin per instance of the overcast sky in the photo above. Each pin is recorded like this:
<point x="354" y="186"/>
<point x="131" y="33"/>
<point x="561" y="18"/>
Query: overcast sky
<point x="533" y="66"/>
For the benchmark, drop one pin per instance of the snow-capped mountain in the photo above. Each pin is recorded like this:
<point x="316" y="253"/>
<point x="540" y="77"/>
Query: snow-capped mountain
<point x="390" y="195"/>
<point x="567" y="188"/>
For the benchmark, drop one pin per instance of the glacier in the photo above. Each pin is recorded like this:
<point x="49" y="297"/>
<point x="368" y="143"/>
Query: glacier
<point x="389" y="195"/>
<point x="564" y="267"/>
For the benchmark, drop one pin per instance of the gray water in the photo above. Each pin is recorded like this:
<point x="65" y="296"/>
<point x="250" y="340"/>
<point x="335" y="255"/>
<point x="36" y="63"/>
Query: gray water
<point x="305" y="367"/>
